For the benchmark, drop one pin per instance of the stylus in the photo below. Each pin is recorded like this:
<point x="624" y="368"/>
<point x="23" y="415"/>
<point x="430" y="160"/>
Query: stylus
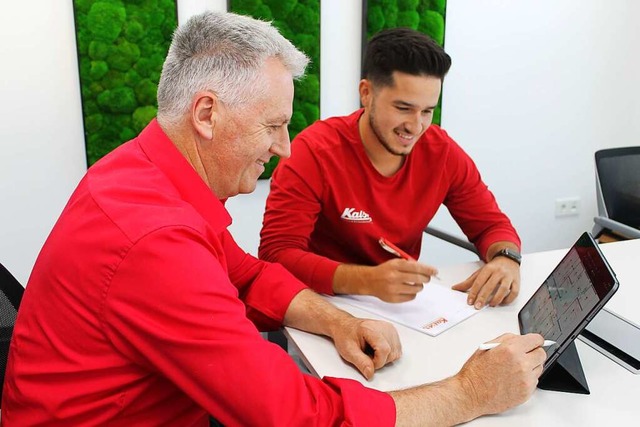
<point x="490" y="345"/>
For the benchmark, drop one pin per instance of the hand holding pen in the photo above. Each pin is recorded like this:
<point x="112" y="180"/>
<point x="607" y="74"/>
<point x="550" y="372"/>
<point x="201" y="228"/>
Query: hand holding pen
<point x="491" y="345"/>
<point x="393" y="249"/>
<point x="396" y="280"/>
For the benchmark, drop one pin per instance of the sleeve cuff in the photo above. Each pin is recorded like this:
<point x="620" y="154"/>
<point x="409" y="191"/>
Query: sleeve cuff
<point x="498" y="236"/>
<point x="364" y="406"/>
<point x="272" y="293"/>
<point x="321" y="279"/>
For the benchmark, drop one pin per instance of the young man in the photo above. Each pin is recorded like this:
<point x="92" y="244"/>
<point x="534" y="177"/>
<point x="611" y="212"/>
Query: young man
<point x="384" y="171"/>
<point x="141" y="309"/>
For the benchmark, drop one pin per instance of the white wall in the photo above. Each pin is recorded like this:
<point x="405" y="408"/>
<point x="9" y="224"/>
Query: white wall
<point x="536" y="87"/>
<point x="42" y="154"/>
<point x="340" y="52"/>
<point x="188" y="8"/>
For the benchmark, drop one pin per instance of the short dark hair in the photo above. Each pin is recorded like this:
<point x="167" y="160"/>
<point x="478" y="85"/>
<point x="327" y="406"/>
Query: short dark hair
<point x="404" y="50"/>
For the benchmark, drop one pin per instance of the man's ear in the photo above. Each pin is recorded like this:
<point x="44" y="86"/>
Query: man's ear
<point x="366" y="92"/>
<point x="205" y="114"/>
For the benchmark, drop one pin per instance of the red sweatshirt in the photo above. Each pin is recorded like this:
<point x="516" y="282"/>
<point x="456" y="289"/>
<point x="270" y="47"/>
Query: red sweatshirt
<point x="329" y="205"/>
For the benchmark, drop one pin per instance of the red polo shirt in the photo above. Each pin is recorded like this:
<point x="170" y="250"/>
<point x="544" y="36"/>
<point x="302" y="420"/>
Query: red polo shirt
<point x="142" y="310"/>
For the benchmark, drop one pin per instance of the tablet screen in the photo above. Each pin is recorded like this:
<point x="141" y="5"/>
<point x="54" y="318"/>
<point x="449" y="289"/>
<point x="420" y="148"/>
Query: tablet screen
<point x="570" y="297"/>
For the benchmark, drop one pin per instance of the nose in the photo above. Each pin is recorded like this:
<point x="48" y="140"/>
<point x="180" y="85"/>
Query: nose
<point x="282" y="147"/>
<point x="414" y="124"/>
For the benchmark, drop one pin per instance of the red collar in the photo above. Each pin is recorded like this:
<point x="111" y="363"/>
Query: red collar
<point x="164" y="154"/>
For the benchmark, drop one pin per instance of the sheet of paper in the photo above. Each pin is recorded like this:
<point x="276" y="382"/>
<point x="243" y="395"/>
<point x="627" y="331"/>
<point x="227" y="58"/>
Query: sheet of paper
<point x="433" y="311"/>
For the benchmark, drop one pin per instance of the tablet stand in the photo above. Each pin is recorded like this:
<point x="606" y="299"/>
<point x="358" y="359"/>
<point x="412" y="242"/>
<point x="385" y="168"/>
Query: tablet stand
<point x="565" y="374"/>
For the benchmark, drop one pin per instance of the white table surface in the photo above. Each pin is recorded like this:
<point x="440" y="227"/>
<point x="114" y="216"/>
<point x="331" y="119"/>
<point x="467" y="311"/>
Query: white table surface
<point x="615" y="392"/>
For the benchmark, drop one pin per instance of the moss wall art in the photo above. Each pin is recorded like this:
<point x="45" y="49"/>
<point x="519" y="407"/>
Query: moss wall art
<point x="121" y="48"/>
<point x="426" y="16"/>
<point x="298" y="21"/>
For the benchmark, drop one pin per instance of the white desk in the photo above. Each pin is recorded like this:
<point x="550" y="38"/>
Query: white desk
<point x="615" y="392"/>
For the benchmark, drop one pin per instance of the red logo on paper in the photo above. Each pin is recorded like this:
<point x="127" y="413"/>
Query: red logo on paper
<point x="440" y="321"/>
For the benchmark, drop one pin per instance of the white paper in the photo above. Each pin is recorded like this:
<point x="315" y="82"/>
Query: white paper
<point x="434" y="310"/>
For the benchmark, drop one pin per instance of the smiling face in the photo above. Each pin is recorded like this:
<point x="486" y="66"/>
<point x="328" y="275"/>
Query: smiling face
<point x="246" y="137"/>
<point x="396" y="116"/>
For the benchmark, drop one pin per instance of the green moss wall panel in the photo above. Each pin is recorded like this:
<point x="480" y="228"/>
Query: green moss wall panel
<point x="426" y="16"/>
<point x="298" y="21"/>
<point x="121" y="48"/>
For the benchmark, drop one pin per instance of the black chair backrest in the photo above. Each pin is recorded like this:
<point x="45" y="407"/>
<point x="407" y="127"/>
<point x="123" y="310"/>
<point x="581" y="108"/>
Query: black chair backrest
<point x="618" y="172"/>
<point x="10" y="297"/>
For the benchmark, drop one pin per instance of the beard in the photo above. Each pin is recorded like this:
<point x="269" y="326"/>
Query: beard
<point x="383" y="141"/>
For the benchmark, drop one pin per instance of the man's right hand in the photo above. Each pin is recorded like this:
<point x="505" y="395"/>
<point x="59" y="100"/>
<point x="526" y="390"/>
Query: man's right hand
<point x="505" y="376"/>
<point x="396" y="280"/>
<point x="490" y="382"/>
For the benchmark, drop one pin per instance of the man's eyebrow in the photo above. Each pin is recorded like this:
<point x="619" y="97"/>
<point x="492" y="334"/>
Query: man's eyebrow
<point x="410" y="105"/>
<point x="281" y="120"/>
<point x="403" y="103"/>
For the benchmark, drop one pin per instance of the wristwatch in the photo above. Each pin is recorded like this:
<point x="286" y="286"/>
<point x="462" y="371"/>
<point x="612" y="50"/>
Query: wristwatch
<point x="511" y="254"/>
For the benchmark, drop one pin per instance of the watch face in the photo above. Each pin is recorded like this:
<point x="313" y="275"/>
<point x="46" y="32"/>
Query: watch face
<point x="513" y="253"/>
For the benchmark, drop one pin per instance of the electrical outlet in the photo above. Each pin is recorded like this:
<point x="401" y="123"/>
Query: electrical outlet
<point x="568" y="206"/>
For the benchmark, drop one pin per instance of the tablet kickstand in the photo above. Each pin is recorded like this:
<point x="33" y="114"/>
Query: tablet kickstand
<point x="565" y="374"/>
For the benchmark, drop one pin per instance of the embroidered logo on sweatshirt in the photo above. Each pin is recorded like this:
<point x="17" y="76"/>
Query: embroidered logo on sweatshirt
<point x="352" y="215"/>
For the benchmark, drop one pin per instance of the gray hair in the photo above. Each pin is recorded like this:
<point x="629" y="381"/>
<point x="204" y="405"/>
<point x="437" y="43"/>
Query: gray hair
<point x="221" y="52"/>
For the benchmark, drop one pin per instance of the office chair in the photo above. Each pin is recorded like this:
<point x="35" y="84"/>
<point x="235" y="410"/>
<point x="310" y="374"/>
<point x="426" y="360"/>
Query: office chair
<point x="10" y="296"/>
<point x="618" y="193"/>
<point x="447" y="237"/>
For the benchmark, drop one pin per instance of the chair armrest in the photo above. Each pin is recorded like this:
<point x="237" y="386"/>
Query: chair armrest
<point x="617" y="227"/>
<point x="463" y="243"/>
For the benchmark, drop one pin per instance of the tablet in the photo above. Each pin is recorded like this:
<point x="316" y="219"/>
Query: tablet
<point x="575" y="291"/>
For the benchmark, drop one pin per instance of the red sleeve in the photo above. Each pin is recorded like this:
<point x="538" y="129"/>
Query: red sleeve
<point x="473" y="206"/>
<point x="292" y="210"/>
<point x="175" y="313"/>
<point x="266" y="289"/>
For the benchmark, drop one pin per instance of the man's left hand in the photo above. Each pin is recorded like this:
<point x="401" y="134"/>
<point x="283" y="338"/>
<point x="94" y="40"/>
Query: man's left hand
<point x="497" y="282"/>
<point x="367" y="344"/>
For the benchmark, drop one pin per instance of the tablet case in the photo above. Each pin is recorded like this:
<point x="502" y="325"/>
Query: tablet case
<point x="565" y="374"/>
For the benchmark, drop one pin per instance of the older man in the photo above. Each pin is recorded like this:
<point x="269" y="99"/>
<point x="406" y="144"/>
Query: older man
<point x="142" y="310"/>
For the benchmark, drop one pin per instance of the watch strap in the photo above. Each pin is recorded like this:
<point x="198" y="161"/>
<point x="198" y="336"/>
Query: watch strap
<point x="511" y="254"/>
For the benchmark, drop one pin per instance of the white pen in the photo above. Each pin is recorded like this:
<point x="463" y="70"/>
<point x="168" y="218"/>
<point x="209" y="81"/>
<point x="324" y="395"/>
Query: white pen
<point x="490" y="345"/>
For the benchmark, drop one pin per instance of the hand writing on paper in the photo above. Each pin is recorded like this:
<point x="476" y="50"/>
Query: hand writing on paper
<point x="396" y="280"/>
